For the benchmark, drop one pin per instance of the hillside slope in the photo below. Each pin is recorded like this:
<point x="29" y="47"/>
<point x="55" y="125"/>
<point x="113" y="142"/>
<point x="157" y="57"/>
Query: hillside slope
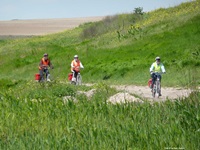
<point x="121" y="50"/>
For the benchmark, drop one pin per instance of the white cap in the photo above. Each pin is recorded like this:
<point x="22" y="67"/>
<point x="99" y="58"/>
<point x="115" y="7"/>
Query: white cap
<point x="75" y="56"/>
<point x="157" y="58"/>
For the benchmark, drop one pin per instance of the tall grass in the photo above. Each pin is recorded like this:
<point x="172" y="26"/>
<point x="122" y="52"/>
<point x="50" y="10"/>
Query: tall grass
<point x="40" y="120"/>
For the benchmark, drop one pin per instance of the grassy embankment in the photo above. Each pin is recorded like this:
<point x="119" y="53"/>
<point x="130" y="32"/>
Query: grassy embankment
<point x="118" y="50"/>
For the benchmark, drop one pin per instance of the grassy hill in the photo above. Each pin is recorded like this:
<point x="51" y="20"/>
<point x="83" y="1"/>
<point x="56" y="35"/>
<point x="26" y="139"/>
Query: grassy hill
<point x="116" y="50"/>
<point x="120" y="48"/>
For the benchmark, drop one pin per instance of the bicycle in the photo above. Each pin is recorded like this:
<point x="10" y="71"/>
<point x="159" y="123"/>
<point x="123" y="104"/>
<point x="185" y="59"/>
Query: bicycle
<point x="77" y="80"/>
<point x="45" y="77"/>
<point x="156" y="87"/>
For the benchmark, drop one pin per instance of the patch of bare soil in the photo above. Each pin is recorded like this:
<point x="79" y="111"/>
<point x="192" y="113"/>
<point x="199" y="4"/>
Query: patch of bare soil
<point x="123" y="98"/>
<point x="41" y="26"/>
<point x="88" y="94"/>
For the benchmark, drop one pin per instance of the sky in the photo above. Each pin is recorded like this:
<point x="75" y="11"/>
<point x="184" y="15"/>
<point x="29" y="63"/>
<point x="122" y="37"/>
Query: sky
<point x="50" y="9"/>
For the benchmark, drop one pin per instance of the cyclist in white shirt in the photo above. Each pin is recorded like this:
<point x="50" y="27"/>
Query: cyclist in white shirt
<point x="158" y="67"/>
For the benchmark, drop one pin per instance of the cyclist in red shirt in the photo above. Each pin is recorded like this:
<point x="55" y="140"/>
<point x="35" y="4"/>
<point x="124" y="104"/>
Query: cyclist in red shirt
<point x="45" y="63"/>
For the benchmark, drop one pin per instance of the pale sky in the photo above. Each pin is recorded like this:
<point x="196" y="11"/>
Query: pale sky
<point x="49" y="9"/>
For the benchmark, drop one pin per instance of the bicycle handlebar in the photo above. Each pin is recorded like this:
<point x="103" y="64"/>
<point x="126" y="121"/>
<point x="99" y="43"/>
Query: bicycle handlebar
<point x="158" y="73"/>
<point x="46" y="67"/>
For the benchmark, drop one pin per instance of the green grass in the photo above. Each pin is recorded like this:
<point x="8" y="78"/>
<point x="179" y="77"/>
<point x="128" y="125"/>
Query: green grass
<point x="35" y="116"/>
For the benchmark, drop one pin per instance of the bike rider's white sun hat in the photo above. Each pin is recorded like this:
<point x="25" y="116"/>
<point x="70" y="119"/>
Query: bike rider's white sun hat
<point x="75" y="56"/>
<point x="157" y="58"/>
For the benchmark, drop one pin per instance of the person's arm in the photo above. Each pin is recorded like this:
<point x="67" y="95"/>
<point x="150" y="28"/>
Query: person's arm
<point x="50" y="64"/>
<point x="151" y="68"/>
<point x="163" y="69"/>
<point x="40" y="64"/>
<point x="72" y="64"/>
<point x="81" y="65"/>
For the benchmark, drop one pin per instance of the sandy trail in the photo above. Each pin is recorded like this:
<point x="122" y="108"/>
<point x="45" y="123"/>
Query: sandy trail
<point x="133" y="92"/>
<point x="145" y="92"/>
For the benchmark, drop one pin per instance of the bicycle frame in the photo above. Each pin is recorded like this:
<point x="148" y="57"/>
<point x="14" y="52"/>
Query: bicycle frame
<point x="44" y="76"/>
<point x="156" y="86"/>
<point x="78" y="79"/>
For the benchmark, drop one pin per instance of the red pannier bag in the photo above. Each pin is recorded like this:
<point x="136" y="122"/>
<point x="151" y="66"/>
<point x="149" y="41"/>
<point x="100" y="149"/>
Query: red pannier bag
<point x="37" y="76"/>
<point x="70" y="76"/>
<point x="150" y="82"/>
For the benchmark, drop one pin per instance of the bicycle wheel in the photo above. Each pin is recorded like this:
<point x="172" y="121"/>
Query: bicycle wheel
<point x="158" y="88"/>
<point x="79" y="79"/>
<point x="154" y="90"/>
<point x="73" y="81"/>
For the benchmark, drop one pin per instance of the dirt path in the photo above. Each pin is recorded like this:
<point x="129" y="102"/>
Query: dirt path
<point x="145" y="92"/>
<point x="138" y="93"/>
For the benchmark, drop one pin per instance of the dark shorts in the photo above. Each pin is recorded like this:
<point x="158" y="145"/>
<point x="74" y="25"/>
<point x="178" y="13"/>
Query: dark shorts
<point x="75" y="73"/>
<point x="154" y="76"/>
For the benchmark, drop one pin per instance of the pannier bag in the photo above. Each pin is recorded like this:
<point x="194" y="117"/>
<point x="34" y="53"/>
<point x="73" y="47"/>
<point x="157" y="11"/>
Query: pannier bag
<point x="70" y="76"/>
<point x="37" y="77"/>
<point x="149" y="82"/>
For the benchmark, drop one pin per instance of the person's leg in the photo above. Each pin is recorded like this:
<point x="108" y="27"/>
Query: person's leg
<point x="153" y="77"/>
<point x="47" y="74"/>
<point x="41" y="75"/>
<point x="160" y="84"/>
<point x="75" y="74"/>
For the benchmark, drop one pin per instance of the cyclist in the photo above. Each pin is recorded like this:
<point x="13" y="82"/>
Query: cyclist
<point x="43" y="67"/>
<point x="158" y="67"/>
<point x="76" y="65"/>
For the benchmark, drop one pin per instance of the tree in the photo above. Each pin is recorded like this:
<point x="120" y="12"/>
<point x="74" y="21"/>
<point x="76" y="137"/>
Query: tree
<point x="139" y="10"/>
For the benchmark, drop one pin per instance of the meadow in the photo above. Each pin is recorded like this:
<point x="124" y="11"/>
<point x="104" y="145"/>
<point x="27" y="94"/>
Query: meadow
<point x="117" y="50"/>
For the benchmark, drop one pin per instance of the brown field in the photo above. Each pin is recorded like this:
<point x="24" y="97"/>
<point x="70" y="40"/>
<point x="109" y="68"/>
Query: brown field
<point x="41" y="26"/>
